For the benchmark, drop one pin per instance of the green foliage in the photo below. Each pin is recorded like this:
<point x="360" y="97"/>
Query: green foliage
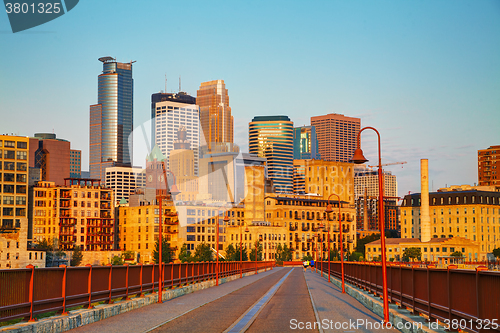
<point x="496" y="252"/>
<point x="457" y="254"/>
<point x="185" y="255"/>
<point x="167" y="254"/>
<point x="76" y="256"/>
<point x="259" y="248"/>
<point x="283" y="253"/>
<point x="128" y="255"/>
<point x="360" y="245"/>
<point x="355" y="256"/>
<point x="334" y="255"/>
<point x="52" y="255"/>
<point x="203" y="252"/>
<point x="233" y="253"/>
<point x="117" y="260"/>
<point x="412" y="253"/>
<point x="307" y="258"/>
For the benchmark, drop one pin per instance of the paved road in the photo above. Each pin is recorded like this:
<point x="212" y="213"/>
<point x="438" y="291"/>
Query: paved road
<point x="220" y="314"/>
<point x="290" y="306"/>
<point x="148" y="317"/>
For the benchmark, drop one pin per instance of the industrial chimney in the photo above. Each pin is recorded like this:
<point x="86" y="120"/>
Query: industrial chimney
<point x="425" y="219"/>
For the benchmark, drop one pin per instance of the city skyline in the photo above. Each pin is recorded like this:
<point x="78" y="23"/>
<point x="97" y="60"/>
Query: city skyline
<point x="425" y="76"/>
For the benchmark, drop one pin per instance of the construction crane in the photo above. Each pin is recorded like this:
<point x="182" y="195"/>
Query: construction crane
<point x="374" y="166"/>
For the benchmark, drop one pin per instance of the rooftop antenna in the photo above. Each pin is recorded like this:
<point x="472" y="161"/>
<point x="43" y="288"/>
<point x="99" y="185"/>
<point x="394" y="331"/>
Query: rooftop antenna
<point x="180" y="83"/>
<point x="165" y="83"/>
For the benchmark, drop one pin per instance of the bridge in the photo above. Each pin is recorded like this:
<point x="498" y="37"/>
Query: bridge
<point x="201" y="297"/>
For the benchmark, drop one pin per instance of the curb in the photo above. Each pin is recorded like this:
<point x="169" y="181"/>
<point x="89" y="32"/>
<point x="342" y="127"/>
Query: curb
<point x="81" y="317"/>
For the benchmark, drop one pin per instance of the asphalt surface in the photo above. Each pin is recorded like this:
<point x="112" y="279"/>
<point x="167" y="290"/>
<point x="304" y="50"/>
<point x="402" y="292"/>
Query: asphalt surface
<point x="290" y="306"/>
<point x="148" y="317"/>
<point x="218" y="315"/>
<point x="339" y="312"/>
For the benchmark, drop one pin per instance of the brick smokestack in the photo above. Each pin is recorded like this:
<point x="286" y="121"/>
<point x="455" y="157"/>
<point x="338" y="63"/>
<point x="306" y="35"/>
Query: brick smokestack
<point x="425" y="219"/>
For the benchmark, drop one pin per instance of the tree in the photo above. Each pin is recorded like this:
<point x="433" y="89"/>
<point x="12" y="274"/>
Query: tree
<point x="355" y="256"/>
<point x="457" y="254"/>
<point x="259" y="248"/>
<point x="167" y="254"/>
<point x="128" y="255"/>
<point x="334" y="255"/>
<point x="53" y="255"/>
<point x="117" y="260"/>
<point x="244" y="254"/>
<point x="76" y="256"/>
<point x="360" y="245"/>
<point x="496" y="252"/>
<point x="231" y="253"/>
<point x="307" y="258"/>
<point x="203" y="252"/>
<point x="412" y="253"/>
<point x="185" y="255"/>
<point x="283" y="253"/>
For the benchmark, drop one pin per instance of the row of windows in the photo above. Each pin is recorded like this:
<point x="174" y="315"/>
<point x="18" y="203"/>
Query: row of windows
<point x="12" y="144"/>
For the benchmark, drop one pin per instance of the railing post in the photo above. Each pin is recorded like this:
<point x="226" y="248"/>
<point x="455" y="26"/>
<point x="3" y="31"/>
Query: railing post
<point x="64" y="289"/>
<point x="140" y="278"/>
<point x="126" y="282"/>
<point x="172" y="274"/>
<point x="448" y="278"/>
<point x="153" y="280"/>
<point x="401" y="286"/>
<point x="429" y="294"/>
<point x="413" y="289"/>
<point x="89" y="286"/>
<point x="31" y="291"/>
<point x="109" y="282"/>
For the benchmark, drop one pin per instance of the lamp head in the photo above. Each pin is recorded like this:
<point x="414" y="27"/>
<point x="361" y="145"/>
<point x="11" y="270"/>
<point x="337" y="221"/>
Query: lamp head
<point x="173" y="190"/>
<point x="226" y="218"/>
<point x="247" y="230"/>
<point x="358" y="157"/>
<point x="329" y="209"/>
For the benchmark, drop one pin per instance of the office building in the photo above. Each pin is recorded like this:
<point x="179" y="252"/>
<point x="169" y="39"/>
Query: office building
<point x="271" y="137"/>
<point x="215" y="113"/>
<point x="488" y="166"/>
<point x="75" y="163"/>
<point x="124" y="181"/>
<point x="14" y="162"/>
<point x="337" y="136"/>
<point x="171" y="112"/>
<point x="112" y="118"/>
<point x="52" y="156"/>
<point x="181" y="163"/>
<point x="305" y="143"/>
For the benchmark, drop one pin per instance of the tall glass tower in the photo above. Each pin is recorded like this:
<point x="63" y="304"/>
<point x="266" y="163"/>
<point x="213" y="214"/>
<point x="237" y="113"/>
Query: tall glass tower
<point x="112" y="118"/>
<point x="272" y="137"/>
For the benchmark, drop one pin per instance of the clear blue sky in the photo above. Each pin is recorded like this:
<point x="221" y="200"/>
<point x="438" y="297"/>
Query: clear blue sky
<point x="425" y="73"/>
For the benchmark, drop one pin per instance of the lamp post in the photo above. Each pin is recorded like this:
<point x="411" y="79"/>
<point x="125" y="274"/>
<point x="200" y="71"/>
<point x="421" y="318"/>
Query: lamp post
<point x="358" y="158"/>
<point x="241" y="250"/>
<point x="322" y="226"/>
<point x="329" y="210"/>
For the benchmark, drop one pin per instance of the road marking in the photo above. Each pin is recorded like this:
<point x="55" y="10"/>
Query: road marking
<point x="244" y="322"/>
<point x="314" y="305"/>
<point x="196" y="307"/>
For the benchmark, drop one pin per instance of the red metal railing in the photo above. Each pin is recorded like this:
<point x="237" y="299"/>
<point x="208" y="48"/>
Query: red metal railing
<point x="24" y="293"/>
<point x="467" y="297"/>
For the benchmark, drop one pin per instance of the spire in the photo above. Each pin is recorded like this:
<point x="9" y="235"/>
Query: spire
<point x="156" y="154"/>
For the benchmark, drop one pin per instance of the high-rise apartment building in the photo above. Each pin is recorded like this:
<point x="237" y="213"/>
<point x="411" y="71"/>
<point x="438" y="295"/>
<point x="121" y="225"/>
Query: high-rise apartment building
<point x="171" y="112"/>
<point x="336" y="136"/>
<point x="14" y="162"/>
<point x="305" y="143"/>
<point x="124" y="181"/>
<point x="271" y="137"/>
<point x="112" y="118"/>
<point x="488" y="166"/>
<point x="215" y="112"/>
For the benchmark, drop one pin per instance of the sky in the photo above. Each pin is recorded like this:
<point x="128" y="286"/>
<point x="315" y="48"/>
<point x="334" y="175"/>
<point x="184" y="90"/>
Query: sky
<point x="425" y="74"/>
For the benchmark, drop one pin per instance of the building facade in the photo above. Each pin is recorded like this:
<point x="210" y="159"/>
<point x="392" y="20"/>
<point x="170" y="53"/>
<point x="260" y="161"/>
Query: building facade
<point x="124" y="181"/>
<point x="14" y="252"/>
<point x="459" y="211"/>
<point x="271" y="137"/>
<point x="52" y="156"/>
<point x="488" y="166"/>
<point x="75" y="163"/>
<point x="112" y="118"/>
<point x="305" y="143"/>
<point x="14" y="162"/>
<point x="337" y="136"/>
<point x="171" y="112"/>
<point x="215" y="113"/>
<point x="182" y="166"/>
<point x="79" y="213"/>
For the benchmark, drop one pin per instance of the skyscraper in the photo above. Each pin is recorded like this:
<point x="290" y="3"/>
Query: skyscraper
<point x="215" y="113"/>
<point x="112" y="118"/>
<point x="336" y="136"/>
<point x="170" y="112"/>
<point x="272" y="137"/>
<point x="305" y="143"/>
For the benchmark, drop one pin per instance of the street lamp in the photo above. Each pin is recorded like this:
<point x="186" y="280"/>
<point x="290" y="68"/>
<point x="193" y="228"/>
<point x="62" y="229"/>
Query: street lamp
<point x="226" y="220"/>
<point x="321" y="226"/>
<point x="241" y="250"/>
<point x="358" y="158"/>
<point x="330" y="210"/>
